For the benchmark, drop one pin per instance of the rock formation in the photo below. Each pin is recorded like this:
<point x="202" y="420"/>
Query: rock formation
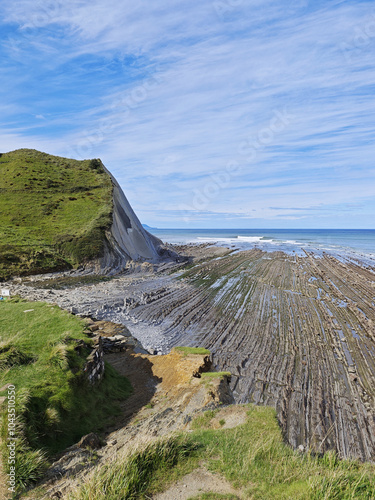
<point x="59" y="213"/>
<point x="296" y="333"/>
<point x="127" y="240"/>
<point x="168" y="393"/>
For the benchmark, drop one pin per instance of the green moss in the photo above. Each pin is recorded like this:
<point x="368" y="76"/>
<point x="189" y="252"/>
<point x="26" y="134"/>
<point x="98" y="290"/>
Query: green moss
<point x="192" y="350"/>
<point x="54" y="212"/>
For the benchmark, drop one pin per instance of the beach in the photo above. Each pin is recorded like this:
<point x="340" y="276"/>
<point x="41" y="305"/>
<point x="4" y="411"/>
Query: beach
<point x="296" y="331"/>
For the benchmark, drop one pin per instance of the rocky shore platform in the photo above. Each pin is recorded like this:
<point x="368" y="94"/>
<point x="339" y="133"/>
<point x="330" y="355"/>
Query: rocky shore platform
<point x="297" y="333"/>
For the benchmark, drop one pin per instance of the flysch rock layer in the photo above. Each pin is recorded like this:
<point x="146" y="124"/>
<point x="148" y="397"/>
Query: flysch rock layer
<point x="127" y="241"/>
<point x="297" y="333"/>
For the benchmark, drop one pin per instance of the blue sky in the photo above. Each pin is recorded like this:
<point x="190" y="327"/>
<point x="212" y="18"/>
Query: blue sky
<point x="222" y="114"/>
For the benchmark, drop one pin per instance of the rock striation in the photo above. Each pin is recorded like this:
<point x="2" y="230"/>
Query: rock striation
<point x="94" y="367"/>
<point x="127" y="240"/>
<point x="296" y="333"/>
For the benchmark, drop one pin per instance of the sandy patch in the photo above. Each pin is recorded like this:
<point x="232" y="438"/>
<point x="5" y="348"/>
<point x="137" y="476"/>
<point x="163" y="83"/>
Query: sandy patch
<point x="196" y="483"/>
<point x="232" y="416"/>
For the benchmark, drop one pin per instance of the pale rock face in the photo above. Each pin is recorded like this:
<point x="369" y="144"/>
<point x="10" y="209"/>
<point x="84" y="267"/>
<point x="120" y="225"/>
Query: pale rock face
<point x="127" y="240"/>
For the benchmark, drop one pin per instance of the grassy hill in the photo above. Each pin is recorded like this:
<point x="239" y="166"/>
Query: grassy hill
<point x="43" y="350"/>
<point x="53" y="211"/>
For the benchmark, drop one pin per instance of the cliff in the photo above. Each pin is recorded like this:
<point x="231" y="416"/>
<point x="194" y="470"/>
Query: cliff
<point x="127" y="240"/>
<point x="58" y="214"/>
<point x="169" y="391"/>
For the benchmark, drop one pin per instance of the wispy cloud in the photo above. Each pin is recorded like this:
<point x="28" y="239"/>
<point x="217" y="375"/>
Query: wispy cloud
<point x="169" y="94"/>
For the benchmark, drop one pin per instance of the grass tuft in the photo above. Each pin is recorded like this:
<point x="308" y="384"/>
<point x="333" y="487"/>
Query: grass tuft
<point x="210" y="375"/>
<point x="203" y="421"/>
<point x="130" y="478"/>
<point x="192" y="350"/>
<point x="11" y="356"/>
<point x="59" y="356"/>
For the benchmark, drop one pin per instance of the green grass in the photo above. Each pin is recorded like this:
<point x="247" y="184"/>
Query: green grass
<point x="210" y="375"/>
<point x="131" y="478"/>
<point x="192" y="350"/>
<point x="54" y="212"/>
<point x="42" y="353"/>
<point x="203" y="421"/>
<point x="252" y="457"/>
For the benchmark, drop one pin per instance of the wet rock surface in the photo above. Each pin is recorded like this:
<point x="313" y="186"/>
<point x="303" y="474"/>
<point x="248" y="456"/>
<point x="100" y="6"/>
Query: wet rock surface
<point x="297" y="333"/>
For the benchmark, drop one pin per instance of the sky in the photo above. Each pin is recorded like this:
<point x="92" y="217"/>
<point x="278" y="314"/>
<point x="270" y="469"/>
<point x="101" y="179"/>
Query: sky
<point x="210" y="114"/>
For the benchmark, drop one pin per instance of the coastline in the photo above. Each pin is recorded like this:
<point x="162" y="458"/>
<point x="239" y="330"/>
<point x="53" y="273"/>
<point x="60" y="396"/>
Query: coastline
<point x="297" y="333"/>
<point x="357" y="244"/>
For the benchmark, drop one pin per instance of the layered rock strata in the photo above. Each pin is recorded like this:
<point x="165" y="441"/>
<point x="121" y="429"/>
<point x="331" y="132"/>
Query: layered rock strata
<point x="297" y="333"/>
<point x="127" y="240"/>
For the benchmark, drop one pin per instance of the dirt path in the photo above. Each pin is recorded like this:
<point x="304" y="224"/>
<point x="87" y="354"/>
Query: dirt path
<point x="196" y="483"/>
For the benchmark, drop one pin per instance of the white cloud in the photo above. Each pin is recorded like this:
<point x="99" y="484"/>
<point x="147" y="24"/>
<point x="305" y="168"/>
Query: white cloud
<point x="167" y="94"/>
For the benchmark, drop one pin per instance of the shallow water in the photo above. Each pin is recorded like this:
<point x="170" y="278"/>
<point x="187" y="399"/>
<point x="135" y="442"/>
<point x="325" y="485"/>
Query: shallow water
<point x="346" y="243"/>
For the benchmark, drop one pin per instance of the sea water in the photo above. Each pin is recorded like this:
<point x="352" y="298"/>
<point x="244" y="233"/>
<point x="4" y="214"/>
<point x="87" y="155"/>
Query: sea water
<point x="347" y="243"/>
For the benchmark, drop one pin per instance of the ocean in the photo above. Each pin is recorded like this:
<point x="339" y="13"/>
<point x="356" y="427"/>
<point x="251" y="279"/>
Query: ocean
<point x="342" y="243"/>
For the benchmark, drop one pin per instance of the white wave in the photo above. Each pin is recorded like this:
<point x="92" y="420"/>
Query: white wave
<point x="201" y="238"/>
<point x="293" y="242"/>
<point x="250" y="239"/>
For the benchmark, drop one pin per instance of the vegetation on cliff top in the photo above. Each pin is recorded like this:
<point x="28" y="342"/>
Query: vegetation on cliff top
<point x="54" y="211"/>
<point x="43" y="350"/>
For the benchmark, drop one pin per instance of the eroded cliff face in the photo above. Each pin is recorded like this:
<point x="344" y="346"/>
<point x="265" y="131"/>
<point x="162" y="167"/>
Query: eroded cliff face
<point x="62" y="214"/>
<point x="168" y="393"/>
<point x="127" y="241"/>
